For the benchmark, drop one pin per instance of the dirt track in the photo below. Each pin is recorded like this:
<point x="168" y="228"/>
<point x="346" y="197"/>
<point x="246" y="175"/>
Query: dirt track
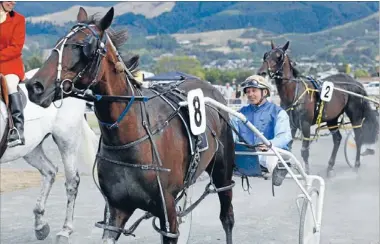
<point x="17" y="179"/>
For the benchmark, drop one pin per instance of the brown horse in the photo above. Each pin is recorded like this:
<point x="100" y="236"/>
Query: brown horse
<point x="300" y="98"/>
<point x="147" y="156"/>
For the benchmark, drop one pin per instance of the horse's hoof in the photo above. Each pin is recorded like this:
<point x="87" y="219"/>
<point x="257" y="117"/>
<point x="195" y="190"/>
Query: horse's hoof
<point x="62" y="240"/>
<point x="357" y="165"/>
<point x="330" y="173"/>
<point x="42" y="233"/>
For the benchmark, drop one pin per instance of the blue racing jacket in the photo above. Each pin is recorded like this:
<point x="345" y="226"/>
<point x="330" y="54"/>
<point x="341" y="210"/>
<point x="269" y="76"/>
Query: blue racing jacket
<point x="269" y="119"/>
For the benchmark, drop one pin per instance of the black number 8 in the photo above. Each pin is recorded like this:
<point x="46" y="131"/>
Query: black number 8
<point x="197" y="114"/>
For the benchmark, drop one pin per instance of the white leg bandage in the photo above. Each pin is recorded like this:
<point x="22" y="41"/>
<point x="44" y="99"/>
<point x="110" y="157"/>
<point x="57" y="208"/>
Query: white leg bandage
<point x="12" y="82"/>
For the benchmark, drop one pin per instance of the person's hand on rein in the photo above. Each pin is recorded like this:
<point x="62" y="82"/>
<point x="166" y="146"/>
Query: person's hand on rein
<point x="262" y="147"/>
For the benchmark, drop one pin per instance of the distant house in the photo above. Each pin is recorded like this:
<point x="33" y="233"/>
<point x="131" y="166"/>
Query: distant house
<point x="184" y="42"/>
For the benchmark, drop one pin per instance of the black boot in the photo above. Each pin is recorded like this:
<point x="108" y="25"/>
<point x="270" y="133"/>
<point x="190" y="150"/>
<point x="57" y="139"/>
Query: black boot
<point x="278" y="175"/>
<point x="16" y="134"/>
<point x="368" y="151"/>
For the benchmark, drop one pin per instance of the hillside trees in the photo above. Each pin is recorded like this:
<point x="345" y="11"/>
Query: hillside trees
<point x="185" y="64"/>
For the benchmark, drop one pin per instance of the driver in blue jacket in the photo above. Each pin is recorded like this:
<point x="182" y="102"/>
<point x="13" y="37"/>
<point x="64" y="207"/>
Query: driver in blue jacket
<point x="269" y="119"/>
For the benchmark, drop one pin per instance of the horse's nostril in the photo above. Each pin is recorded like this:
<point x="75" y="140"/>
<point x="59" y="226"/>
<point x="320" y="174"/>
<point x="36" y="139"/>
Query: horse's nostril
<point x="38" y="88"/>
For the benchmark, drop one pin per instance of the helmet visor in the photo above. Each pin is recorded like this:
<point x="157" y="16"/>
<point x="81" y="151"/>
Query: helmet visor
<point x="251" y="83"/>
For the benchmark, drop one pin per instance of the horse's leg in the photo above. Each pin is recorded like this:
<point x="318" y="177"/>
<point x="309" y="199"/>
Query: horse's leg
<point x="359" y="142"/>
<point x="305" y="144"/>
<point x="69" y="149"/>
<point x="355" y="120"/>
<point x="116" y="218"/>
<point x="221" y="174"/>
<point x="337" y="137"/>
<point x="172" y="219"/>
<point x="48" y="170"/>
<point x="293" y="131"/>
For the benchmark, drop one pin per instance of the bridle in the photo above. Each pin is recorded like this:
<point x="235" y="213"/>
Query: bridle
<point x="93" y="47"/>
<point x="277" y="74"/>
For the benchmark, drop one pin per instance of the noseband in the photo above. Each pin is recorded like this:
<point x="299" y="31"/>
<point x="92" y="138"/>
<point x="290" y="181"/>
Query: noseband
<point x="96" y="54"/>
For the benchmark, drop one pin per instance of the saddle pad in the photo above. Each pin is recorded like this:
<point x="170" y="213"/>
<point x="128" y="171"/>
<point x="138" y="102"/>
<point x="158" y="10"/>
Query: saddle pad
<point x="203" y="144"/>
<point x="246" y="164"/>
<point x="317" y="84"/>
<point x="175" y="99"/>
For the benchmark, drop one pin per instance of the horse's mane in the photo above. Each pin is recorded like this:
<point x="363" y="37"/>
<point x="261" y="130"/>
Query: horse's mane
<point x="119" y="38"/>
<point x="295" y="71"/>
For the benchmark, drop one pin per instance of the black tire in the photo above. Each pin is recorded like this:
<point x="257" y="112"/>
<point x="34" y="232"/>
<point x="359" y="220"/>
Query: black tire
<point x="306" y="219"/>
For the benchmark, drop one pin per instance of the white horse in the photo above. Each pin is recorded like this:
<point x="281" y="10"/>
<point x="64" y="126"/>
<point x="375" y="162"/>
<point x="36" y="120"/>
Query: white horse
<point x="66" y="125"/>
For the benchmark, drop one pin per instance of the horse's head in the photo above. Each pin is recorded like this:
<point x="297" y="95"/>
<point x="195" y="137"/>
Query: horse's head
<point x="273" y="61"/>
<point x="75" y="62"/>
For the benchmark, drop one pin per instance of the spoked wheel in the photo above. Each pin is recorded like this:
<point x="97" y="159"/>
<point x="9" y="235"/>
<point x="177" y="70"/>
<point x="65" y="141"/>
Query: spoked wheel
<point x="350" y="149"/>
<point x="183" y="222"/>
<point x="307" y="231"/>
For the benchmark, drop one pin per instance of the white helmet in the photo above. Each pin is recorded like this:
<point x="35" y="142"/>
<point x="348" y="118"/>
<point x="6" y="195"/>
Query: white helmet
<point x="256" y="81"/>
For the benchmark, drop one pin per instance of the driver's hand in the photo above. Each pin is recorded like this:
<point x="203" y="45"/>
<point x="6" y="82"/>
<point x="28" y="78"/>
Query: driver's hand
<point x="262" y="147"/>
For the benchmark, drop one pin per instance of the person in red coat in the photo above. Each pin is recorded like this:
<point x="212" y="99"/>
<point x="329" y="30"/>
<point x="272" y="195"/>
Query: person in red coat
<point x="12" y="39"/>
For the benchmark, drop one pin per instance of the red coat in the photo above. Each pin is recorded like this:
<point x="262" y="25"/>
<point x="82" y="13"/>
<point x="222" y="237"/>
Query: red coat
<point x="12" y="39"/>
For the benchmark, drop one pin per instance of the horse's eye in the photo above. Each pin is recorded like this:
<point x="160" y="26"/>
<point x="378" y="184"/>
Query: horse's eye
<point x="265" y="56"/>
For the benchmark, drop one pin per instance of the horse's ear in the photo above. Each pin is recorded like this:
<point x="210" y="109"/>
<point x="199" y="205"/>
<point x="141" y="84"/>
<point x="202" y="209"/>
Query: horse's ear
<point x="106" y="21"/>
<point x="272" y="44"/>
<point x="285" y="47"/>
<point x="133" y="63"/>
<point x="82" y="15"/>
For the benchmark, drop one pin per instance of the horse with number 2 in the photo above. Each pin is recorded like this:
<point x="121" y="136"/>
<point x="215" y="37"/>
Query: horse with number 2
<point x="155" y="141"/>
<point x="312" y="102"/>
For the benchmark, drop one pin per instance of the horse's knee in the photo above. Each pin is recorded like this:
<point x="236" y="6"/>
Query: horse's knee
<point x="51" y="173"/>
<point x="38" y="209"/>
<point x="72" y="185"/>
<point x="305" y="153"/>
<point x="337" y="137"/>
<point x="228" y="220"/>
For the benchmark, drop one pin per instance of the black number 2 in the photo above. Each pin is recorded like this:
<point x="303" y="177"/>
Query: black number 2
<point x="328" y="90"/>
<point x="197" y="114"/>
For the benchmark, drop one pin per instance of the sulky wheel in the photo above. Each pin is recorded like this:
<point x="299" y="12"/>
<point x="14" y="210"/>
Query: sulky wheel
<point x="350" y="149"/>
<point x="307" y="232"/>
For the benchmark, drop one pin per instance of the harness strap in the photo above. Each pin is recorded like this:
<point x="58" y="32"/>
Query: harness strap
<point x="138" y="141"/>
<point x="139" y="166"/>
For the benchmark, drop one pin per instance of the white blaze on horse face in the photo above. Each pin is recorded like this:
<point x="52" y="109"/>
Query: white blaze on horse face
<point x="197" y="111"/>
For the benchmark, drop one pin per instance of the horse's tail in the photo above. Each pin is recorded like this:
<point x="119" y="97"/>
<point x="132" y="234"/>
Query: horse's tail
<point x="88" y="145"/>
<point x="370" y="125"/>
